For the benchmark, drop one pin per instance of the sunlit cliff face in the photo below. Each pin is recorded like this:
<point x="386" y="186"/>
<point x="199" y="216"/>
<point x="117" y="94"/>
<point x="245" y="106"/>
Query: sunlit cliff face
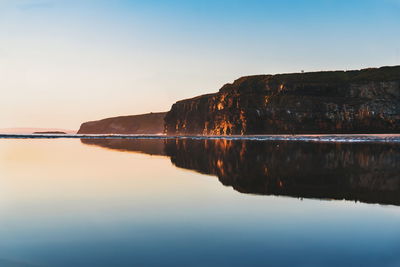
<point x="366" y="101"/>
<point x="363" y="172"/>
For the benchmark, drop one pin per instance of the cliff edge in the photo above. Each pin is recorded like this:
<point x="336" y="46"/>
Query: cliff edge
<point x="150" y="123"/>
<point x="362" y="101"/>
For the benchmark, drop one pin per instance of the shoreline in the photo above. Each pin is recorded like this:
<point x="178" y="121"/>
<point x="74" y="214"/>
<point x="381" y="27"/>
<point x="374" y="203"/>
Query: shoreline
<point x="329" y="138"/>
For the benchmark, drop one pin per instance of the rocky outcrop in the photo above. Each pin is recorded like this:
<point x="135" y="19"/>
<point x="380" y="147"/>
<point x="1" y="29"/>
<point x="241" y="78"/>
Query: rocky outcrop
<point x="50" y="132"/>
<point x="150" y="123"/>
<point x="365" y="101"/>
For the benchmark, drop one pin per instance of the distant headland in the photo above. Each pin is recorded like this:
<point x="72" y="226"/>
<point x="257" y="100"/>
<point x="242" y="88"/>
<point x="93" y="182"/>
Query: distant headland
<point x="27" y="130"/>
<point x="50" y="132"/>
<point x="150" y="123"/>
<point x="329" y="102"/>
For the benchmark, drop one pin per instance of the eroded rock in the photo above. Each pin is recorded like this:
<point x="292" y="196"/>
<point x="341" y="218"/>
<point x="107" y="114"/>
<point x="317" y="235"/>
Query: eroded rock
<point x="365" y="101"/>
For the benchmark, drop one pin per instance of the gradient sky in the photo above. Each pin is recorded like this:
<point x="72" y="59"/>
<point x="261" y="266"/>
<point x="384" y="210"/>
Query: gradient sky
<point x="69" y="61"/>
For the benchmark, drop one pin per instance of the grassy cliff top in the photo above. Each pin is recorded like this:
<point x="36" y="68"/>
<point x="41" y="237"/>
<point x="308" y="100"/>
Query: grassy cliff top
<point x="332" y="77"/>
<point x="370" y="74"/>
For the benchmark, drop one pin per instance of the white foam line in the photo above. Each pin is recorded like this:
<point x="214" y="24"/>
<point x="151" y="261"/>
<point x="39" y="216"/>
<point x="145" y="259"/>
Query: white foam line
<point x="390" y="138"/>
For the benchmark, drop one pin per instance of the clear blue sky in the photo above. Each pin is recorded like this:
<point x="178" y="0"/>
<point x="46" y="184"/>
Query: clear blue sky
<point x="65" y="62"/>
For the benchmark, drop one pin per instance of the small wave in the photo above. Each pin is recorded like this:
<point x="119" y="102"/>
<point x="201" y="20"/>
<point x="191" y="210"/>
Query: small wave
<point x="350" y="138"/>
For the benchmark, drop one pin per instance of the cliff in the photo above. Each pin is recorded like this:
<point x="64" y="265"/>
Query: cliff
<point x="150" y="123"/>
<point x="50" y="132"/>
<point x="364" y="101"/>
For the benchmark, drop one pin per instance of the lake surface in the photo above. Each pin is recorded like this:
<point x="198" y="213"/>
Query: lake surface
<point x="184" y="202"/>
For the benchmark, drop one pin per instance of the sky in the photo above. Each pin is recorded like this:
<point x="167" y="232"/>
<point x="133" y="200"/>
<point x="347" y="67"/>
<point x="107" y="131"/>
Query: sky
<point x="64" y="62"/>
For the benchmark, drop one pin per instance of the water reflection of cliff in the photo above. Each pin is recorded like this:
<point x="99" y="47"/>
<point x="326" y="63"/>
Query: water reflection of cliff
<point x="362" y="172"/>
<point x="147" y="146"/>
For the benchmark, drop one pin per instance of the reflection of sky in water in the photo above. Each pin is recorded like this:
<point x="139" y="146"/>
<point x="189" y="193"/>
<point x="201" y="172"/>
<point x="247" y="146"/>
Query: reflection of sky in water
<point x="66" y="204"/>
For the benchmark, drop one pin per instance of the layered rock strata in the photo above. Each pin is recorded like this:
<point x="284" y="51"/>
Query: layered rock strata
<point x="150" y="123"/>
<point x="365" y="101"/>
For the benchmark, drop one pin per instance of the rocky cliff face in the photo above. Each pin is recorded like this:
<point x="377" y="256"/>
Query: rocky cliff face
<point x="366" y="101"/>
<point x="151" y="123"/>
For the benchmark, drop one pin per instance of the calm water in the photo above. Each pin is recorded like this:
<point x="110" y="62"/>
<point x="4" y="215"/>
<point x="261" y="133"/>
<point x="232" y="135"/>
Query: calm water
<point x="198" y="203"/>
